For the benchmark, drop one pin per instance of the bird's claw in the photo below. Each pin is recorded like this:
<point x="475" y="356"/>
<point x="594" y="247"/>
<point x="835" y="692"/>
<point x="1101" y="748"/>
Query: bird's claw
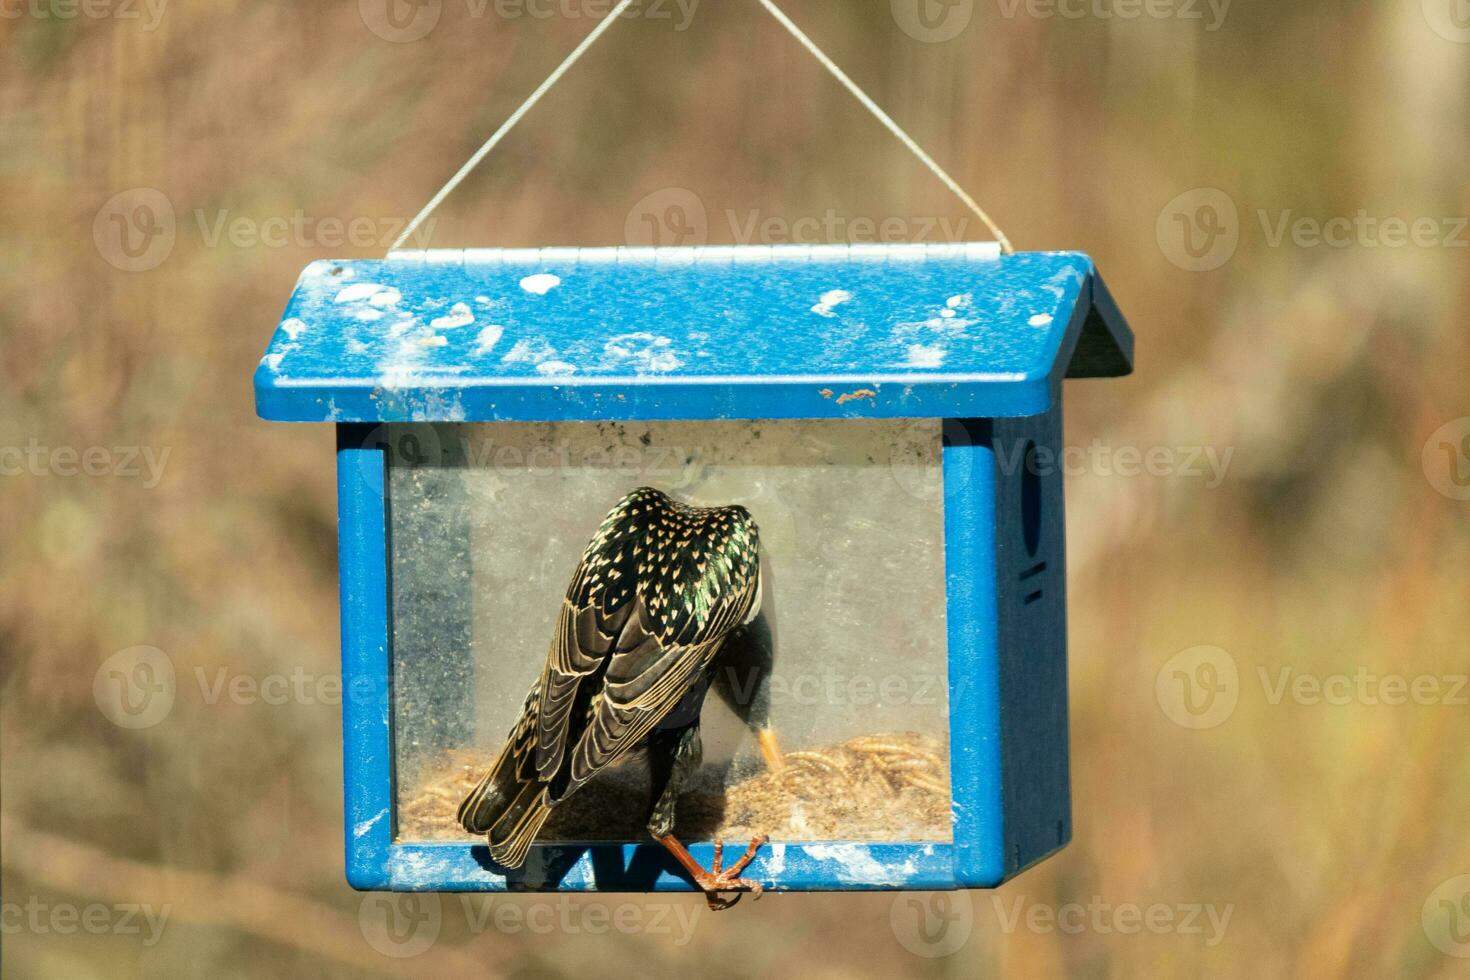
<point x="720" y="879"/>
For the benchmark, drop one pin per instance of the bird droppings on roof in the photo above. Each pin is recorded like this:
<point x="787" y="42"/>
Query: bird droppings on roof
<point x="541" y="283"/>
<point x="359" y="291"/>
<point x="697" y="331"/>
<point x="925" y="356"/>
<point x="488" y="338"/>
<point x="1040" y="320"/>
<point x="644" y="352"/>
<point x="1062" y="280"/>
<point x="831" y="299"/>
<point x="534" y="351"/>
<point x="458" y="316"/>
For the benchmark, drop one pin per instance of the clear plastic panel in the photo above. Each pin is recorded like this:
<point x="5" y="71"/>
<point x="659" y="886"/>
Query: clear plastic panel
<point x="487" y="523"/>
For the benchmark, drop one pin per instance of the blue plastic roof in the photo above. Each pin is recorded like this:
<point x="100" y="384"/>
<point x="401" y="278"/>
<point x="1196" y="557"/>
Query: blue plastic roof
<point x="903" y="331"/>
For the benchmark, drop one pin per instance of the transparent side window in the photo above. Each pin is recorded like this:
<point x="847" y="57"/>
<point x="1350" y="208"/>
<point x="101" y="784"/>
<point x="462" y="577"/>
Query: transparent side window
<point x="487" y="523"/>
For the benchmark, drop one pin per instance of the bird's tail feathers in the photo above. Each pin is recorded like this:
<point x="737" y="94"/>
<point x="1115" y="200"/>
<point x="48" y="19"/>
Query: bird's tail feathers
<point x="512" y="834"/>
<point x="508" y="808"/>
<point x="495" y="792"/>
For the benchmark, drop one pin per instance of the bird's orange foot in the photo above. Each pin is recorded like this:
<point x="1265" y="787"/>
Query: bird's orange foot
<point x="729" y="879"/>
<point x="719" y="878"/>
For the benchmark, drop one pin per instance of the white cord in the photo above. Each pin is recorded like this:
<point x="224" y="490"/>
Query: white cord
<point x="796" y="32"/>
<point x="515" y="118"/>
<point x="893" y="127"/>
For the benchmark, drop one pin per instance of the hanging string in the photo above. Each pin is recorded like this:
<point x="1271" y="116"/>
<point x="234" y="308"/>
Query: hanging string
<point x="796" y="32"/>
<point x="886" y="120"/>
<point x="515" y="117"/>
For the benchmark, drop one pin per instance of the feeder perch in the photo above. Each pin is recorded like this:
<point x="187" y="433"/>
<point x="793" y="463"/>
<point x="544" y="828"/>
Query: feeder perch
<point x="889" y="415"/>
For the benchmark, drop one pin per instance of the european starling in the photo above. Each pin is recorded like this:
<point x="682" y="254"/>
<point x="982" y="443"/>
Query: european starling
<point x="658" y="591"/>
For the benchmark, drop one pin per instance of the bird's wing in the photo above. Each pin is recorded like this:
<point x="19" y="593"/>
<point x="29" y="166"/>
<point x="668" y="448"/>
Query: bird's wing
<point x="593" y="616"/>
<point x="649" y="605"/>
<point x="646" y="680"/>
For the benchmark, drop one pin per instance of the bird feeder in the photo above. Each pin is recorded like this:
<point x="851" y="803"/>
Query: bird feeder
<point x="890" y="417"/>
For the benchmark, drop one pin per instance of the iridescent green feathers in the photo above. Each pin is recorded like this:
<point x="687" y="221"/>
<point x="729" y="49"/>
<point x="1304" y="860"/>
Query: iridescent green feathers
<point x="689" y="565"/>
<point x="659" y="588"/>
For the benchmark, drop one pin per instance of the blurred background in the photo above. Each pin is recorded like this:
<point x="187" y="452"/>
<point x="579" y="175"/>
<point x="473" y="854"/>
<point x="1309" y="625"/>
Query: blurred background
<point x="1268" y="651"/>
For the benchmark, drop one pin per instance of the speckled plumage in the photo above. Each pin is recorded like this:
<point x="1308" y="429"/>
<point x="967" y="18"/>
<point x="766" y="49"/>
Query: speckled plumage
<point x="658" y="590"/>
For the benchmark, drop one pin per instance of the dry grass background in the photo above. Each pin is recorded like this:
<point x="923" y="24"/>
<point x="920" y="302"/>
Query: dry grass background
<point x="1326" y="549"/>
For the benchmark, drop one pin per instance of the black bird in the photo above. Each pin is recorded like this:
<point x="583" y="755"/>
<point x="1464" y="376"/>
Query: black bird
<point x="659" y="590"/>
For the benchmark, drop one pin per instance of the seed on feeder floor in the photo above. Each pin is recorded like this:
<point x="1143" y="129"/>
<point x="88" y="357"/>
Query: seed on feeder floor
<point x="889" y="787"/>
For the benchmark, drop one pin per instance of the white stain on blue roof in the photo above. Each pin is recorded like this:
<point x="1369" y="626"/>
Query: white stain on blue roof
<point x="488" y="338"/>
<point x="541" y="283"/>
<point x="458" y="316"/>
<point x="829" y="302"/>
<point x="644" y="352"/>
